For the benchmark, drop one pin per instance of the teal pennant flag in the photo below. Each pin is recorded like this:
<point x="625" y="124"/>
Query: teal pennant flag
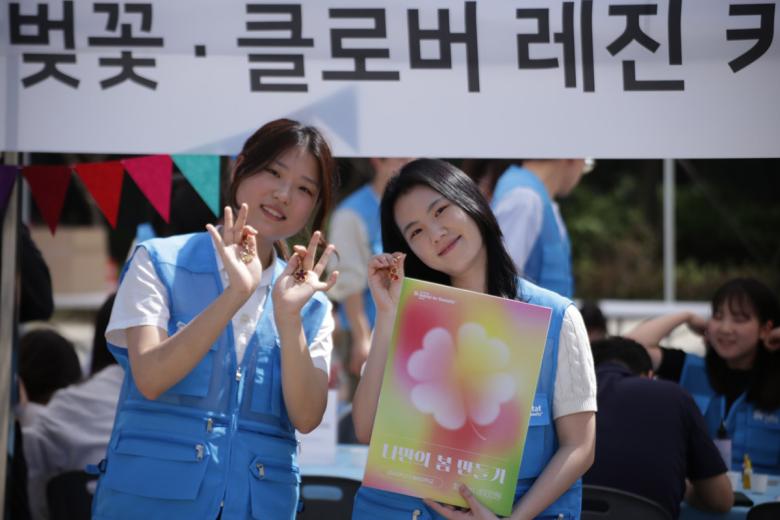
<point x="202" y="172"/>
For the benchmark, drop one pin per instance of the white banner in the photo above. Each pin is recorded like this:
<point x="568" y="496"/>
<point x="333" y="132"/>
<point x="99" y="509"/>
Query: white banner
<point x="494" y="78"/>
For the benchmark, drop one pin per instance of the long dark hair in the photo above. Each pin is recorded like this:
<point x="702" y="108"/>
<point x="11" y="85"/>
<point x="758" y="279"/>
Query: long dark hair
<point x="457" y="187"/>
<point x="273" y="139"/>
<point x="753" y="298"/>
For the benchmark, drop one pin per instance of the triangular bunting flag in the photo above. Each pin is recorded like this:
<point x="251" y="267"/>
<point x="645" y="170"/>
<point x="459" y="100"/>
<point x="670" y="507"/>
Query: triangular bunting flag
<point x="202" y="172"/>
<point x="49" y="185"/>
<point x="7" y="178"/>
<point x="153" y="174"/>
<point x="104" y="182"/>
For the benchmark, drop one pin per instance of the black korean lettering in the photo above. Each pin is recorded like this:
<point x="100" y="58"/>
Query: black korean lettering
<point x="42" y="26"/>
<point x="524" y="41"/>
<point x="127" y="63"/>
<point x="40" y="20"/>
<point x="49" y="69"/>
<point x="359" y="55"/>
<point x="294" y="71"/>
<point x="123" y="35"/>
<point x="586" y="32"/>
<point x="763" y="34"/>
<point x="446" y="38"/>
<point x="566" y="38"/>
<point x="633" y="33"/>
<point x="126" y="38"/>
<point x="295" y="39"/>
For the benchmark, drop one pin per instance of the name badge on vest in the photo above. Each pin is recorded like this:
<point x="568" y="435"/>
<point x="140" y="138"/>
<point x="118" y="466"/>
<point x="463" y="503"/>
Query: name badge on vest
<point x="766" y="420"/>
<point x="540" y="411"/>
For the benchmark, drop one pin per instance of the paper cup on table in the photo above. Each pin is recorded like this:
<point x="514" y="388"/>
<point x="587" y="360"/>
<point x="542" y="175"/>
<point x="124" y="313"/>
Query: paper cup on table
<point x="736" y="479"/>
<point x="759" y="482"/>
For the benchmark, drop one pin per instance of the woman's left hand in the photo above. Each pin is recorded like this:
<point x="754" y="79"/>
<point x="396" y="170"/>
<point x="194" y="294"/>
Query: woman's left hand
<point x="301" y="278"/>
<point x="476" y="509"/>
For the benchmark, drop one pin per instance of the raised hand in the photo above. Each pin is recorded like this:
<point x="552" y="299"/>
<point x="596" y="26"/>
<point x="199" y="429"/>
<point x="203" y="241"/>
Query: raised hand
<point x="301" y="278"/>
<point x="385" y="275"/>
<point x="237" y="247"/>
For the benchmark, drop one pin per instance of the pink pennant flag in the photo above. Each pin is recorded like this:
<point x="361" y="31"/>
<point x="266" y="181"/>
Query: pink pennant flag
<point x="49" y="185"/>
<point x="104" y="182"/>
<point x="153" y="176"/>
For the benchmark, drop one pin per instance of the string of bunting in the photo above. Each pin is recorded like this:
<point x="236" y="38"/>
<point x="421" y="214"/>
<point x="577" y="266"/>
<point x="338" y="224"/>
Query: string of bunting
<point x="152" y="174"/>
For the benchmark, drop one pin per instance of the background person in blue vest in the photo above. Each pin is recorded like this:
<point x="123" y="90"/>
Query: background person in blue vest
<point x="737" y="383"/>
<point x="440" y="228"/>
<point x="534" y="232"/>
<point x="226" y="347"/>
<point x="356" y="233"/>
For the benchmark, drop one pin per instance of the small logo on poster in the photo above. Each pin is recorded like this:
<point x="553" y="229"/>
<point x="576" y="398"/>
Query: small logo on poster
<point x="425" y="295"/>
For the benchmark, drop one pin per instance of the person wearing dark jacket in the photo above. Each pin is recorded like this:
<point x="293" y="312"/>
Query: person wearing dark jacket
<point x="651" y="439"/>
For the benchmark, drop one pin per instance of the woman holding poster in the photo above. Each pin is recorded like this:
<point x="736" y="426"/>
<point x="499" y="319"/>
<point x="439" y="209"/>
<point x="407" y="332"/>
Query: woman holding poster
<point x="225" y="347"/>
<point x="440" y="229"/>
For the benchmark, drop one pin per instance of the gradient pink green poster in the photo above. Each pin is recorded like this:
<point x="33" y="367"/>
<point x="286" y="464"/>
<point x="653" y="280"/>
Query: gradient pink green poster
<point x="456" y="395"/>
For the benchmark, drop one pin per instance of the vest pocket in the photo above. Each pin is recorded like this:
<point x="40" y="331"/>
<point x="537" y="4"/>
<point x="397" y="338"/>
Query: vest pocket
<point x="538" y="444"/>
<point x="274" y="488"/>
<point x="156" y="465"/>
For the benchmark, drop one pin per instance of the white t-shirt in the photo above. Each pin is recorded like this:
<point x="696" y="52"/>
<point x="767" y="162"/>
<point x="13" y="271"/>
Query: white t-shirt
<point x="143" y="300"/>
<point x="575" y="380"/>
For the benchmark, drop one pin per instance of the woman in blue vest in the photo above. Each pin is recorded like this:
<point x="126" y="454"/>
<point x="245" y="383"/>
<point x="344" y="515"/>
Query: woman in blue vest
<point x="737" y="383"/>
<point x="440" y="228"/>
<point x="225" y="347"/>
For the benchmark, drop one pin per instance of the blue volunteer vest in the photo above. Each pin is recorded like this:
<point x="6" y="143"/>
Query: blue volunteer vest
<point x="549" y="263"/>
<point x="365" y="203"/>
<point x="541" y="440"/>
<point x="220" y="437"/>
<point x="751" y="430"/>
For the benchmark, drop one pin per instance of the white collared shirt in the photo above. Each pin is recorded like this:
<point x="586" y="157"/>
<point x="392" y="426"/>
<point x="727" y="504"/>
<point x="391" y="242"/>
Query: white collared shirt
<point x="143" y="300"/>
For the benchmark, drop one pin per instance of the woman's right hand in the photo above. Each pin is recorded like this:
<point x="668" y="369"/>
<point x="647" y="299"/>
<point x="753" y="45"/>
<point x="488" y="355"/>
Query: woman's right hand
<point x="697" y="324"/>
<point x="385" y="276"/>
<point x="237" y="243"/>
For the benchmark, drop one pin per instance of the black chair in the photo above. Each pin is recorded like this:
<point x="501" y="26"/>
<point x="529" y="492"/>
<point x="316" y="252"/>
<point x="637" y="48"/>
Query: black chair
<point x="765" y="511"/>
<point x="69" y="497"/>
<point x="605" y="503"/>
<point x="327" y="497"/>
